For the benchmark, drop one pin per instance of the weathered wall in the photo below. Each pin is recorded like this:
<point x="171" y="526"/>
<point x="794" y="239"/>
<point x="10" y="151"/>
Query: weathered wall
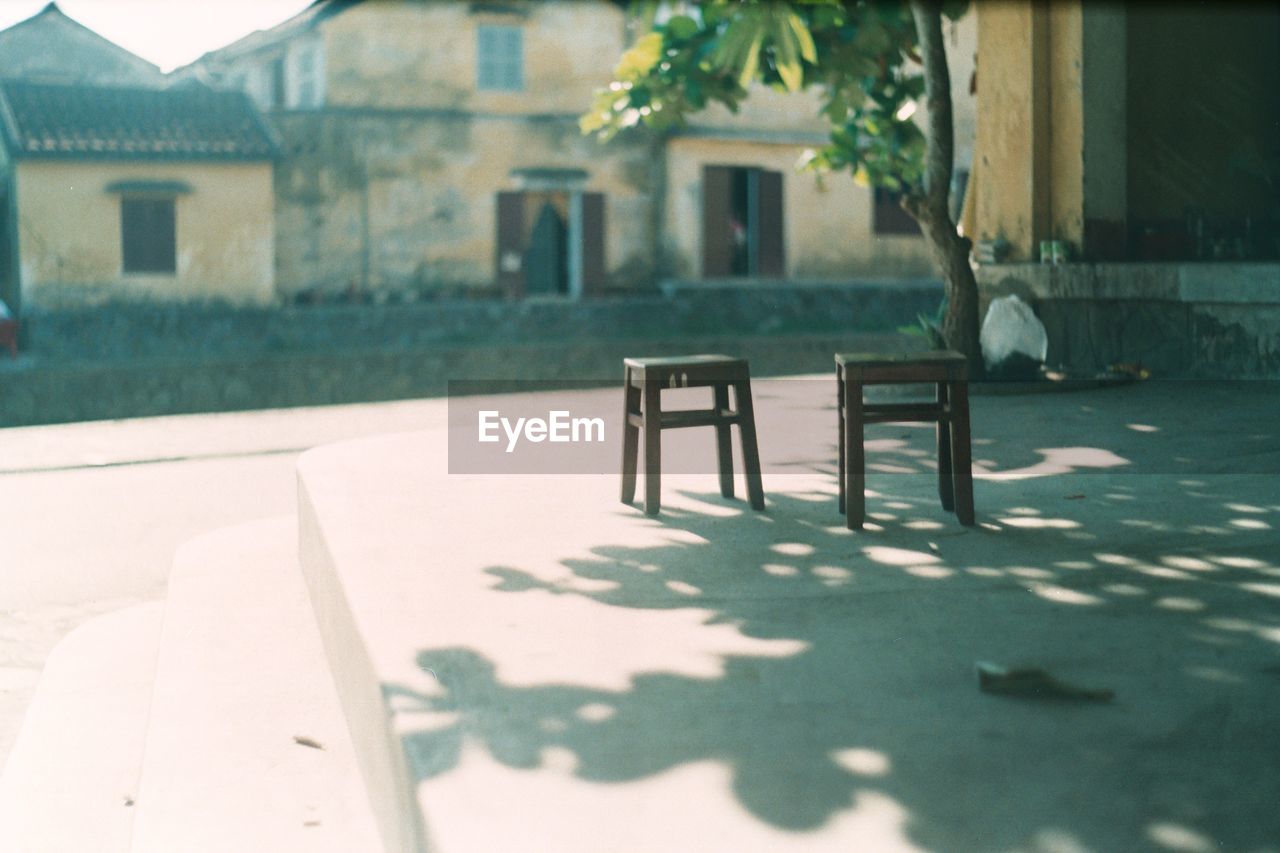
<point x="1051" y="125"/>
<point x="60" y="393"/>
<point x="1007" y="81"/>
<point x="407" y="200"/>
<point x="131" y="359"/>
<point x="1218" y="321"/>
<point x="1063" y="197"/>
<point x="393" y="185"/>
<point x="70" y="245"/>
<point x="128" y="331"/>
<point x="374" y="50"/>
<point x="827" y="224"/>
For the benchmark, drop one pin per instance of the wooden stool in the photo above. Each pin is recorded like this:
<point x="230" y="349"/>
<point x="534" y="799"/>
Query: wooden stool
<point x="645" y="379"/>
<point x="950" y="372"/>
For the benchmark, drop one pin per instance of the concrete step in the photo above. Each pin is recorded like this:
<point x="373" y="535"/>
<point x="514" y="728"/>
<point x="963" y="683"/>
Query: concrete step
<point x="480" y="677"/>
<point x="247" y="748"/>
<point x="72" y="778"/>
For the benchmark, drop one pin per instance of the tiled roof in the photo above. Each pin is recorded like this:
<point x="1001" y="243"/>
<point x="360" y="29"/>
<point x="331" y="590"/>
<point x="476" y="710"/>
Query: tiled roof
<point x="319" y="10"/>
<point x="93" y="122"/>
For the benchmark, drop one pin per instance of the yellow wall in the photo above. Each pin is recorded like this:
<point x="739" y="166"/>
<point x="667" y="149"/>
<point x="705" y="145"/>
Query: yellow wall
<point x="827" y="226"/>
<point x="1030" y="147"/>
<point x="374" y="50"/>
<point x="70" y="242"/>
<point x="1003" y="183"/>
<point x="413" y="198"/>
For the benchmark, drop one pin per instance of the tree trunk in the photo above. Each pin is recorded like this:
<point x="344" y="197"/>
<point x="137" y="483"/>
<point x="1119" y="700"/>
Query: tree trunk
<point x="929" y="207"/>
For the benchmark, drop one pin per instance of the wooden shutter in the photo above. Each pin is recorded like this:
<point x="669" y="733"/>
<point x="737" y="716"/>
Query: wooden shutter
<point x="770" y="244"/>
<point x="717" y="247"/>
<point x="147" y="230"/>
<point x="593" y="264"/>
<point x="509" y="257"/>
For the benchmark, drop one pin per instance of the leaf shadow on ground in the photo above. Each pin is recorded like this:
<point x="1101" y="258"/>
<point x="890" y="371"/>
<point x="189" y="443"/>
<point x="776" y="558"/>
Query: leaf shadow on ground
<point x="872" y="704"/>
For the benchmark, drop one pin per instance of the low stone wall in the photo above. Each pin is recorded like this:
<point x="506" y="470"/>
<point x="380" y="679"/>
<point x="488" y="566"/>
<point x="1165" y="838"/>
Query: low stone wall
<point x="122" y="361"/>
<point x="79" y="391"/>
<point x="129" y="331"/>
<point x="1205" y="320"/>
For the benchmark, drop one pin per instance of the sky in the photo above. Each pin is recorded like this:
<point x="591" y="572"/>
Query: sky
<point x="167" y="32"/>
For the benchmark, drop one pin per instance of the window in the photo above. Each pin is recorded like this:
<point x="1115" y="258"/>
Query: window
<point x="499" y="58"/>
<point x="148" y="230"/>
<point x="306" y="76"/>
<point x="888" y="217"/>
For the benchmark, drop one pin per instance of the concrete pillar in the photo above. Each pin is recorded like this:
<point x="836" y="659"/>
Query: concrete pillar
<point x="1105" y="115"/>
<point x="1051" y="134"/>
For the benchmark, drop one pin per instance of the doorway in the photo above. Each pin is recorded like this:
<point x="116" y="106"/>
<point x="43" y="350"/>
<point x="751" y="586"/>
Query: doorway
<point x="550" y="242"/>
<point x="742" y="223"/>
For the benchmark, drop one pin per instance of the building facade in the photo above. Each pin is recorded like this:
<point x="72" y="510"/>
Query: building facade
<point x="125" y="193"/>
<point x="432" y="145"/>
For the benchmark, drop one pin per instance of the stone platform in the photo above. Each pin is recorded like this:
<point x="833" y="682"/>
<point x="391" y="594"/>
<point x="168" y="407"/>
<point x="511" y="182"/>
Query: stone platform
<point x="518" y="661"/>
<point x="525" y="663"/>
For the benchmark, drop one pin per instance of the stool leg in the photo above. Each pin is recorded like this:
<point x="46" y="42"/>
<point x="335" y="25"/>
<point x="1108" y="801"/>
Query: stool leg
<point x="630" y="439"/>
<point x="946" y="489"/>
<point x="960" y="452"/>
<point x="747" y="435"/>
<point x="840" y="434"/>
<point x="855" y="458"/>
<point x="724" y="442"/>
<point x="652" y="447"/>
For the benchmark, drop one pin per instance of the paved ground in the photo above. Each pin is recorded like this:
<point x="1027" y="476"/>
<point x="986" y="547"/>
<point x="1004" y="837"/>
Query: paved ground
<point x="566" y="674"/>
<point x="1128" y="540"/>
<point x="92" y="513"/>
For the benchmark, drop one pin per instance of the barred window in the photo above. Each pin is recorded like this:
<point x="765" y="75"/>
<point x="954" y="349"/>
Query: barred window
<point x="499" y="58"/>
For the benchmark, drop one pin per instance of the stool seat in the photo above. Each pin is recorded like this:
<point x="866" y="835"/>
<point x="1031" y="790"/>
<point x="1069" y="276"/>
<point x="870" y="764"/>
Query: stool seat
<point x="645" y="378"/>
<point x="948" y="371"/>
<point x="881" y="369"/>
<point x="690" y="371"/>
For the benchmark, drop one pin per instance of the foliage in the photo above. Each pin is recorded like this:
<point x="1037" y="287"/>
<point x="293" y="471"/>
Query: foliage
<point x="929" y="328"/>
<point x="861" y="57"/>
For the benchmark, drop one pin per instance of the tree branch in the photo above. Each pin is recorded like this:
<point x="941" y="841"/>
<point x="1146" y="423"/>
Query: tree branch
<point x="940" y="145"/>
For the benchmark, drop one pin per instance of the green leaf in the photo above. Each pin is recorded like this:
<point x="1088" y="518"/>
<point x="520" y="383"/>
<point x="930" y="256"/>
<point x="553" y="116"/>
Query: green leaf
<point x="682" y="27"/>
<point x="640" y="59"/>
<point x="804" y="38"/>
<point x="751" y="64"/>
<point x="787" y="59"/>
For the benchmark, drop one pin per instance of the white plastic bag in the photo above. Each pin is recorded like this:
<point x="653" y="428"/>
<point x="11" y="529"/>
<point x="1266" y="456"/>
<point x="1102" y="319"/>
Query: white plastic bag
<point x="1010" y="328"/>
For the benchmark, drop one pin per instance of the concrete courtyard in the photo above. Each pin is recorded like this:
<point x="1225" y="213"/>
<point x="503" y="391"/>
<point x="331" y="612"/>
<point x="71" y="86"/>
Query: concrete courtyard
<point x="563" y="673"/>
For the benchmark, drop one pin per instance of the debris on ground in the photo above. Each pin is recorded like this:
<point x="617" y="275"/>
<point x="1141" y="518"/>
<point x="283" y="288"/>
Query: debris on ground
<point x="1128" y="370"/>
<point x="300" y="740"/>
<point x="1031" y="683"/>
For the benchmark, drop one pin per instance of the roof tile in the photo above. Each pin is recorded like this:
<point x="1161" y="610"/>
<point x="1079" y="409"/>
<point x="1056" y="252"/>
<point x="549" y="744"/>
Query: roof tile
<point x="80" y="121"/>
